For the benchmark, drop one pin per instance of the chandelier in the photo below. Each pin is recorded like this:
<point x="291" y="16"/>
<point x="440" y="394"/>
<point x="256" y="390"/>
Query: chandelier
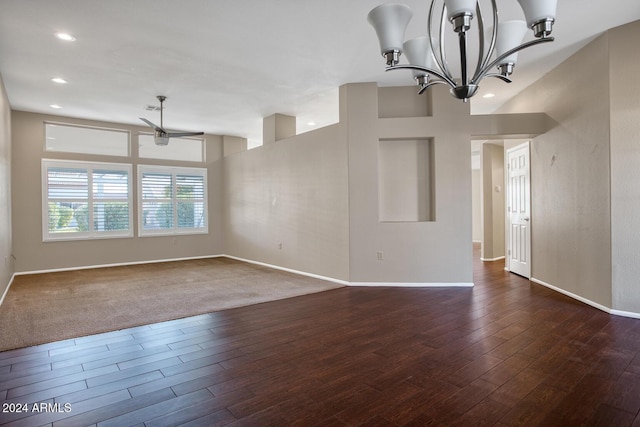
<point x="427" y="56"/>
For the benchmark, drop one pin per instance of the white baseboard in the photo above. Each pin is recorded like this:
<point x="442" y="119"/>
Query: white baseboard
<point x="122" y="264"/>
<point x="276" y="267"/>
<point x="289" y="270"/>
<point x="4" y="294"/>
<point x="347" y="283"/>
<point x="587" y="301"/>
<point x="625" y="314"/>
<point x="492" y="259"/>
<point x="413" y="285"/>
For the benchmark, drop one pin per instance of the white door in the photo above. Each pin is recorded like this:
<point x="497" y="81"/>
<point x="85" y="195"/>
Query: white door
<point x="519" y="210"/>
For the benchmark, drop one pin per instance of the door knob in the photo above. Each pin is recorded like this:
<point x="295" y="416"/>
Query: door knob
<point x="526" y="218"/>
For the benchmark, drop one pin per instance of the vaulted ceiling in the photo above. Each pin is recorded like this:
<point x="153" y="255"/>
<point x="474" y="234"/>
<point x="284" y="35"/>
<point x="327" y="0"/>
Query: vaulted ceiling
<point x="226" y="64"/>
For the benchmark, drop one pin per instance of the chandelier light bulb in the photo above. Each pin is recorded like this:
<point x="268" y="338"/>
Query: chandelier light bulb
<point x="390" y="22"/>
<point x="418" y="52"/>
<point x="460" y="13"/>
<point x="510" y="35"/>
<point x="540" y="15"/>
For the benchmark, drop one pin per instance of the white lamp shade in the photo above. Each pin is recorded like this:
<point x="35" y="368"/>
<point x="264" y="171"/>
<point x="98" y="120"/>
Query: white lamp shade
<point x="390" y="22"/>
<point x="460" y="7"/>
<point x="510" y="35"/>
<point x="538" y="10"/>
<point x="161" y="140"/>
<point x="418" y="52"/>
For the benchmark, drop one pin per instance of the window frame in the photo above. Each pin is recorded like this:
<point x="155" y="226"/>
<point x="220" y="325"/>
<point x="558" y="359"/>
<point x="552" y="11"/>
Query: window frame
<point x="90" y="167"/>
<point x="174" y="171"/>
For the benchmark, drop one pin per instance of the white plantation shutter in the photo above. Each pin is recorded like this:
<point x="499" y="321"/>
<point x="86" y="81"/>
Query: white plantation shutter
<point x="86" y="200"/>
<point x="67" y="192"/>
<point x="111" y="200"/>
<point x="190" y="201"/>
<point x="173" y="200"/>
<point x="157" y="195"/>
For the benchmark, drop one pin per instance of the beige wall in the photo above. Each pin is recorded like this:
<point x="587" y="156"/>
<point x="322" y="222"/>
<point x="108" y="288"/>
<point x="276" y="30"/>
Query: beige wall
<point x="493" y="201"/>
<point x="310" y="202"/>
<point x="625" y="166"/>
<point x="32" y="254"/>
<point x="6" y="240"/>
<point x="278" y="126"/>
<point x="476" y="194"/>
<point x="286" y="203"/>
<point x="586" y="173"/>
<point x="438" y="251"/>
<point x="570" y="218"/>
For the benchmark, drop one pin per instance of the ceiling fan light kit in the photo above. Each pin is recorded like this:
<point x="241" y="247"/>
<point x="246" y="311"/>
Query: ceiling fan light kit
<point x="427" y="57"/>
<point x="160" y="135"/>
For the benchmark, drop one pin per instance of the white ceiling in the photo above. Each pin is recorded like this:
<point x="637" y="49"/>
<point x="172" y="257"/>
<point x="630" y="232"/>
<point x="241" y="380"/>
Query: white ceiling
<point x="226" y="64"/>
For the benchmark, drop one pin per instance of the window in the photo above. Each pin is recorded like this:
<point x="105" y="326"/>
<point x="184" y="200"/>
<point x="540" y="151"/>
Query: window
<point x="172" y="200"/>
<point x="189" y="149"/>
<point x="86" y="140"/>
<point x="86" y="200"/>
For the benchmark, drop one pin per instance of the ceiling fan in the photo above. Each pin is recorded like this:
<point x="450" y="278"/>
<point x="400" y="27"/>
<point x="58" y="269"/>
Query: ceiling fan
<point x="161" y="136"/>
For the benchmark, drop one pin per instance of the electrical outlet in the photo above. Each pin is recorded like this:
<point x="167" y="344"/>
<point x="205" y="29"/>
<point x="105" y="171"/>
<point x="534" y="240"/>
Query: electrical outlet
<point x="380" y="255"/>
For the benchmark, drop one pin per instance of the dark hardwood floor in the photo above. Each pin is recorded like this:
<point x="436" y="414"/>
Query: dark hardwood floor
<point x="507" y="352"/>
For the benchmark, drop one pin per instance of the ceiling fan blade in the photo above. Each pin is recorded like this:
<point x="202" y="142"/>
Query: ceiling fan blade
<point x="153" y="125"/>
<point x="161" y="135"/>
<point x="181" y="134"/>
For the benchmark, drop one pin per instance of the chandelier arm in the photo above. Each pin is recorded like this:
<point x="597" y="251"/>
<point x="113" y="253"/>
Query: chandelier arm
<point x="429" y="32"/>
<point x="525" y="45"/>
<point x="441" y="59"/>
<point x="428" y="85"/>
<point x="446" y="79"/>
<point x="481" y="56"/>
<point x="492" y="44"/>
<point x="499" y="76"/>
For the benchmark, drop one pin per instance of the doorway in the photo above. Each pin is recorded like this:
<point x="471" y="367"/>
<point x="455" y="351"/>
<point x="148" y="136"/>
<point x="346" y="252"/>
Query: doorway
<point x="492" y="201"/>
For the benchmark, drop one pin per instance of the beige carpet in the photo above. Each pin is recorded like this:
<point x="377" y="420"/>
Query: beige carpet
<point x="50" y="307"/>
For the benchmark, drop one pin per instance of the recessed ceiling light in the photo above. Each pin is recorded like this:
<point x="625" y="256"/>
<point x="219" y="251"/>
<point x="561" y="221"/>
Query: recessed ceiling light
<point x="489" y="95"/>
<point x="65" y="36"/>
<point x="59" y="80"/>
<point x="311" y="123"/>
<point x="56" y="106"/>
